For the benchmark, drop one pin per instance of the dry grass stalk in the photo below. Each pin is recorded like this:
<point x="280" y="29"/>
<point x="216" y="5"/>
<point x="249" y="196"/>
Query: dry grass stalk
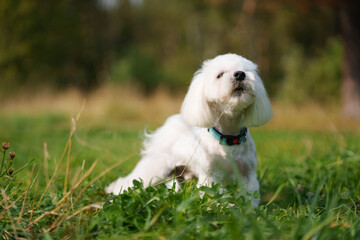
<point x="26" y="194"/>
<point x="68" y="162"/>
<point x="94" y="205"/>
<point x="60" y="204"/>
<point x="73" y="129"/>
<point x="10" y="196"/>
<point x="46" y="162"/>
<point x="66" y="199"/>
<point x="34" y="200"/>
<point x="9" y="213"/>
<point x="11" y="205"/>
<point x="79" y="182"/>
<point x="52" y="177"/>
<point x="101" y="175"/>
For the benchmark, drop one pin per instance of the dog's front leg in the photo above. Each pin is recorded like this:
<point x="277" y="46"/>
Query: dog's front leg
<point x="148" y="170"/>
<point x="204" y="180"/>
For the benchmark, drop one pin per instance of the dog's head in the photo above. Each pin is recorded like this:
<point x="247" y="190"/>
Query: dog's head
<point x="226" y="84"/>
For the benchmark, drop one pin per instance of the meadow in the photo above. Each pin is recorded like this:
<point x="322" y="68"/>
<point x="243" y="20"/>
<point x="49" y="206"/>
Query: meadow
<point x="308" y="167"/>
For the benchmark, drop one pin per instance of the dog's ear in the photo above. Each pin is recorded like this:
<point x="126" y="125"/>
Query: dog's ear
<point x="195" y="108"/>
<point x="260" y="112"/>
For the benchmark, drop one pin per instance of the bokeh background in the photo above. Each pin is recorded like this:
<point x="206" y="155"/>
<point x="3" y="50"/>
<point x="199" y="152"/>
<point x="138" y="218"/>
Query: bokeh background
<point x="54" y="54"/>
<point x="80" y="80"/>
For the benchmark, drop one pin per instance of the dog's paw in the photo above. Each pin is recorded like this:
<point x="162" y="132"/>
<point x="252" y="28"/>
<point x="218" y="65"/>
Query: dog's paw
<point x="170" y="185"/>
<point x="118" y="186"/>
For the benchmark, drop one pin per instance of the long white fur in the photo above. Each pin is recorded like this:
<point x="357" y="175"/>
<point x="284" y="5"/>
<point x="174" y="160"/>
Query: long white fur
<point x="184" y="140"/>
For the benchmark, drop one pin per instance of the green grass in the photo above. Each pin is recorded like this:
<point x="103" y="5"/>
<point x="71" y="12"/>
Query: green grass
<point x="309" y="188"/>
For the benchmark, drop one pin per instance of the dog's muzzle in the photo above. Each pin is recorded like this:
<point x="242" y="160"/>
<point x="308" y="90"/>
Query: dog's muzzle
<point x="239" y="85"/>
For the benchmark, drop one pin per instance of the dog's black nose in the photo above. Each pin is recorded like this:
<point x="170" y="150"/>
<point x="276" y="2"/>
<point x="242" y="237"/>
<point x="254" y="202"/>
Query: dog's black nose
<point x="239" y="76"/>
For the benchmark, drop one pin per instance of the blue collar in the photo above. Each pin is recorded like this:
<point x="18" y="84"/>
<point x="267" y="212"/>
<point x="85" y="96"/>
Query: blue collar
<point x="229" y="139"/>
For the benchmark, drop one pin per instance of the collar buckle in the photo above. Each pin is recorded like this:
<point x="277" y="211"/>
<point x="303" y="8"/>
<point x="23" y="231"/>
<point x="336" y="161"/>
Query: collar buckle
<point x="229" y="140"/>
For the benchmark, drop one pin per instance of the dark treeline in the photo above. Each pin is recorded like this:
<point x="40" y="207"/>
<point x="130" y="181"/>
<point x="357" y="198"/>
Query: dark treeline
<point x="153" y="43"/>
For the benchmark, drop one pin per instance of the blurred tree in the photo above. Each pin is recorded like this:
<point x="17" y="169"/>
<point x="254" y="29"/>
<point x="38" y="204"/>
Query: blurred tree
<point x="156" y="43"/>
<point x="350" y="24"/>
<point x="49" y="43"/>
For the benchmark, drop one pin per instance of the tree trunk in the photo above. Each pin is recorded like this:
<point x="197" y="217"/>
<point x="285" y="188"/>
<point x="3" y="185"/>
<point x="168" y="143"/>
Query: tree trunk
<point x="350" y="29"/>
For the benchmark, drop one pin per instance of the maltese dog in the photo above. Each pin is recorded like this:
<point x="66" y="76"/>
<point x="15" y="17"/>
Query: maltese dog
<point x="209" y="139"/>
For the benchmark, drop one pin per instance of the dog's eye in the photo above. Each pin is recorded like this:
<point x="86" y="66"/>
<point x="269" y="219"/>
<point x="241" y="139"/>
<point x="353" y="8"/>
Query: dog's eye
<point x="220" y="75"/>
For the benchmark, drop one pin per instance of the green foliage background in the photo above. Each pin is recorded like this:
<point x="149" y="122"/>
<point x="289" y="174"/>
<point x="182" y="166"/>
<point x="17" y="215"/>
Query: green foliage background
<point x="86" y="43"/>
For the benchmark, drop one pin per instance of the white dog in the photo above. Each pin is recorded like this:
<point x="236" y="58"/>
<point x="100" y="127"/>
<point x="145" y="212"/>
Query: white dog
<point x="209" y="137"/>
